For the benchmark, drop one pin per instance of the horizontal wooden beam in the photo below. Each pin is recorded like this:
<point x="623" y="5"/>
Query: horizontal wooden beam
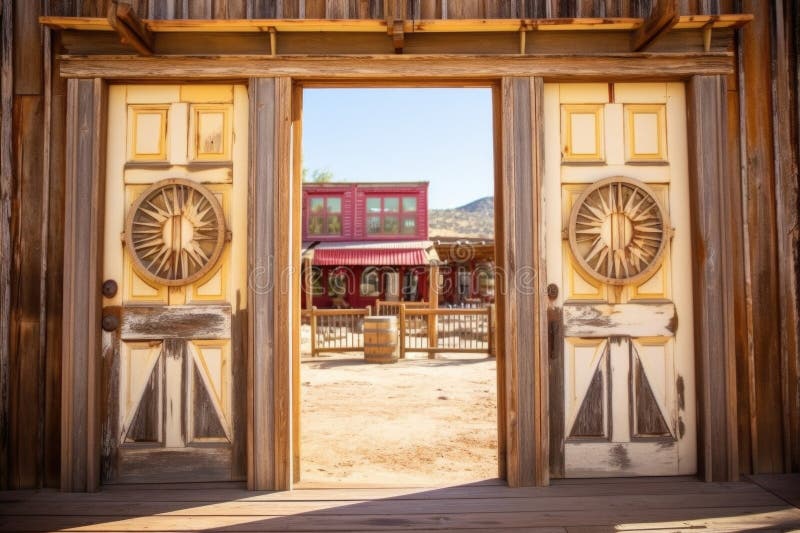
<point x="380" y="26"/>
<point x="404" y="68"/>
<point x="176" y="322"/>
<point x="635" y="320"/>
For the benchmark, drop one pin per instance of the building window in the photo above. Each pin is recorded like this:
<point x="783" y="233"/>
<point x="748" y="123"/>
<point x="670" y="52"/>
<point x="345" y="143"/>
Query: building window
<point x="392" y="215"/>
<point x="370" y="282"/>
<point x="325" y="215"/>
<point x="317" y="288"/>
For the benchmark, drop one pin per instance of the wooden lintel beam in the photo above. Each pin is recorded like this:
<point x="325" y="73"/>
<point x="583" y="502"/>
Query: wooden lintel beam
<point x="662" y="18"/>
<point x="130" y="28"/>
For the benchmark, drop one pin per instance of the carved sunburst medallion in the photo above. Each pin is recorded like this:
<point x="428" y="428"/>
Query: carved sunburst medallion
<point x="618" y="231"/>
<point x="175" y="232"/>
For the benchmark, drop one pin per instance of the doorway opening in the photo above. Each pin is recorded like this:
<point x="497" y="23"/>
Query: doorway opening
<point x="398" y="267"/>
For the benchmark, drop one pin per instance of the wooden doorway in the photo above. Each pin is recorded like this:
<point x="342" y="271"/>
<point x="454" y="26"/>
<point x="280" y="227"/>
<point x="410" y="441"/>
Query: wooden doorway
<point x="392" y="282"/>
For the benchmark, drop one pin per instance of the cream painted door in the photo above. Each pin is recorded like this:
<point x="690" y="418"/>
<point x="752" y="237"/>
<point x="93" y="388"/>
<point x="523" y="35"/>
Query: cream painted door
<point x="175" y="258"/>
<point x="618" y="249"/>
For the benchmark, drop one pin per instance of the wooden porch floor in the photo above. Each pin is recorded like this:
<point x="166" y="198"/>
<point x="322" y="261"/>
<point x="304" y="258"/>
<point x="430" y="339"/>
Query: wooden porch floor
<point x="648" y="504"/>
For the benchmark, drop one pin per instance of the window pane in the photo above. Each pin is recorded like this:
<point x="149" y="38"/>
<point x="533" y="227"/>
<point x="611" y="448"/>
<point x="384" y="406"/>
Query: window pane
<point x="391" y="225"/>
<point x="391" y="205"/>
<point x="316" y="205"/>
<point x="315" y="224"/>
<point x="409" y="226"/>
<point x="334" y="205"/>
<point x="373" y="224"/>
<point x="373" y="205"/>
<point x="369" y="282"/>
<point x="334" y="224"/>
<point x="409" y="203"/>
<point x="316" y="281"/>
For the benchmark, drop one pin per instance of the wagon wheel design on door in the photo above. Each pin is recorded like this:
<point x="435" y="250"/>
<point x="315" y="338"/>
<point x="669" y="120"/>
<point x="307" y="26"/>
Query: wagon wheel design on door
<point x="618" y="231"/>
<point x="175" y="232"/>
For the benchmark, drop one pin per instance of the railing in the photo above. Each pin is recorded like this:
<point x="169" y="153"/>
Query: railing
<point x="447" y="330"/>
<point x="465" y="330"/>
<point x="336" y="330"/>
<point x="384" y="308"/>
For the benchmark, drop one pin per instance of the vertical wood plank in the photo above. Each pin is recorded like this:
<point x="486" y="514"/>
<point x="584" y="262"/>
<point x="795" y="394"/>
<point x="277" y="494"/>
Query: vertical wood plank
<point x="297" y="241"/>
<point x="786" y="165"/>
<point x="712" y="278"/>
<point x="520" y="264"/>
<point x="270" y="293"/>
<point x="6" y="190"/>
<point x="55" y="260"/>
<point x="337" y="9"/>
<point x="28" y="49"/>
<point x="83" y="251"/>
<point x="499" y="250"/>
<point x="762" y="239"/>
<point x="284" y="219"/>
<point x="26" y="393"/>
<point x="260" y="353"/>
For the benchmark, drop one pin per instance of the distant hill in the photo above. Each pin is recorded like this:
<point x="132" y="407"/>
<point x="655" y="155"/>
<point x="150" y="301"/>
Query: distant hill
<point x="474" y="220"/>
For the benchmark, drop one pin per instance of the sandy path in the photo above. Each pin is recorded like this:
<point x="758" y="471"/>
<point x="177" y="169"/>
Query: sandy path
<point x="417" y="422"/>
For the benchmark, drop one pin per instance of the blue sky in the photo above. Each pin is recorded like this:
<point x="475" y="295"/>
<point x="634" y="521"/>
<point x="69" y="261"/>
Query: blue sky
<point x="443" y="136"/>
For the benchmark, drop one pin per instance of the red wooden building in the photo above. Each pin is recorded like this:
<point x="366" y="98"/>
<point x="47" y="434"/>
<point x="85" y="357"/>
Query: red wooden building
<point x="365" y="241"/>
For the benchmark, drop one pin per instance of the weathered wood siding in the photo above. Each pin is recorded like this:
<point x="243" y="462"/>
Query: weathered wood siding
<point x="762" y="122"/>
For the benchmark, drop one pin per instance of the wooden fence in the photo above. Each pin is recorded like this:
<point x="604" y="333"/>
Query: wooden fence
<point x="447" y="330"/>
<point x="383" y="307"/>
<point x="462" y="330"/>
<point x="336" y="330"/>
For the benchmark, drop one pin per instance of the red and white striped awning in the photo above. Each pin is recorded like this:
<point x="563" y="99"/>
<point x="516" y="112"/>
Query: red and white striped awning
<point x="403" y="253"/>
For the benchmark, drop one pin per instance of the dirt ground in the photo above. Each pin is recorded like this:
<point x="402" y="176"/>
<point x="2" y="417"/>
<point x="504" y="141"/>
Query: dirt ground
<point x="418" y="422"/>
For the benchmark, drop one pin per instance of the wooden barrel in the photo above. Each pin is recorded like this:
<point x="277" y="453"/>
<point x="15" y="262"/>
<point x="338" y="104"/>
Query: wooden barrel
<point x="380" y="339"/>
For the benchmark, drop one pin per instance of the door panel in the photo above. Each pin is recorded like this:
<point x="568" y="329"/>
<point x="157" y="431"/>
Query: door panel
<point x="176" y="194"/>
<point x="617" y="183"/>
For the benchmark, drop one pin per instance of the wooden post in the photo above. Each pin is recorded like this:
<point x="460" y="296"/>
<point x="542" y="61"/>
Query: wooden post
<point x="712" y="279"/>
<point x="523" y="367"/>
<point x="433" y="303"/>
<point x="313" y="320"/>
<point x="82" y="305"/>
<point x="6" y="196"/>
<point x="490" y="329"/>
<point x="402" y="331"/>
<point x="270" y="263"/>
<point x="308" y="281"/>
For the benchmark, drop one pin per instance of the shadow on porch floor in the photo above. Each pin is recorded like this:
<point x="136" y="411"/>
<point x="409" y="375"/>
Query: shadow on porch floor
<point x="644" y="504"/>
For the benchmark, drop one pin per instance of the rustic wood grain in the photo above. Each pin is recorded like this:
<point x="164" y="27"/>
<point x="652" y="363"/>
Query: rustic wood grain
<point x="6" y="192"/>
<point x="556" y="421"/>
<point x="154" y="465"/>
<point x="284" y="264"/>
<point x="260" y="362"/>
<point x="297" y="282"/>
<point x="787" y="220"/>
<point x="763" y="241"/>
<point x="579" y="505"/>
<point x="519" y="260"/>
<point x="712" y="279"/>
<point x="408" y="68"/>
<point x="130" y="28"/>
<point x="26" y="391"/>
<point x="635" y="320"/>
<point x="176" y="322"/>
<point x="54" y="260"/>
<point x="83" y="250"/>
<point x="662" y="18"/>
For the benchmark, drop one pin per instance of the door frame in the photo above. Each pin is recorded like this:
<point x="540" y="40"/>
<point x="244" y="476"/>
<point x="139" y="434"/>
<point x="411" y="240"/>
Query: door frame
<point x="273" y="303"/>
